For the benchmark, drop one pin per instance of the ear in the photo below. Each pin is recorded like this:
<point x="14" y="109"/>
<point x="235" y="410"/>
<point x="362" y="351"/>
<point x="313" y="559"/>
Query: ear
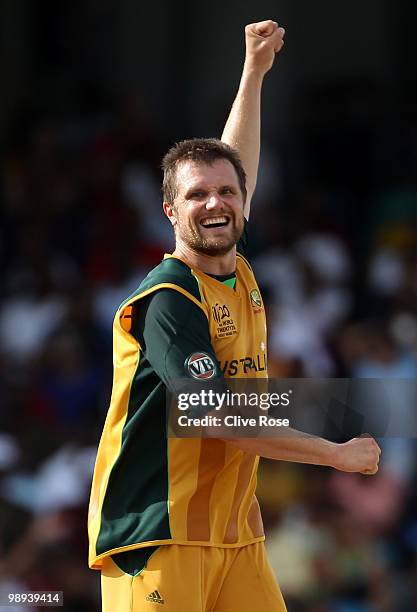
<point x="170" y="213"/>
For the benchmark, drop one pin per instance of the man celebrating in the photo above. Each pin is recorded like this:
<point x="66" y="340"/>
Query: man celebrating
<point x="175" y="522"/>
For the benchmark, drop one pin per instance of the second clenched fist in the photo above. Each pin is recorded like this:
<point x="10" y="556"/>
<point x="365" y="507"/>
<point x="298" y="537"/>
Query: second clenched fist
<point x="358" y="455"/>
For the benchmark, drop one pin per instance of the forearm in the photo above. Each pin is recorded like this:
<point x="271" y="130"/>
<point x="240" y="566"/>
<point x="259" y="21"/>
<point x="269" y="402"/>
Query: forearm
<point x="298" y="448"/>
<point x="243" y="127"/>
<point x="357" y="455"/>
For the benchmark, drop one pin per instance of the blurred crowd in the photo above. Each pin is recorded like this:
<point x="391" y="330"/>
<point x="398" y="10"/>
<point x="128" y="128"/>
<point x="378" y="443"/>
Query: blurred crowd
<point x="333" y="243"/>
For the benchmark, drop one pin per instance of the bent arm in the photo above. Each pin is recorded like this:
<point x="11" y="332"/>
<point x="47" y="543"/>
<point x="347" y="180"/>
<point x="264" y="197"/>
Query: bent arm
<point x="357" y="455"/>
<point x="170" y="328"/>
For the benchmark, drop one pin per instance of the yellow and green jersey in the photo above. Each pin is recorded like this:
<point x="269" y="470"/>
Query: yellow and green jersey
<point x="149" y="489"/>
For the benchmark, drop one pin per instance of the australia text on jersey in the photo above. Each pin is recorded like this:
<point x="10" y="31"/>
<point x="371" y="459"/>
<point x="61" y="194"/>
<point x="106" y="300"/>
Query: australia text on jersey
<point x="245" y="365"/>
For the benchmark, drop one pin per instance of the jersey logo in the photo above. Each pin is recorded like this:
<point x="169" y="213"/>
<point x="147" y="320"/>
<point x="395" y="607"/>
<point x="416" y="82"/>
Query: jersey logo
<point x="155" y="597"/>
<point x="255" y="300"/>
<point x="220" y="312"/>
<point x="225" y="326"/>
<point x="201" y="366"/>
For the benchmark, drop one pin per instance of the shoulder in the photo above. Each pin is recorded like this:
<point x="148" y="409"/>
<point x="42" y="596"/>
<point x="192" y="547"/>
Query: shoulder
<point x="171" y="273"/>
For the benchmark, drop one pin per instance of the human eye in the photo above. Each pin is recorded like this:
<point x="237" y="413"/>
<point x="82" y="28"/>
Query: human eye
<point x="197" y="195"/>
<point x="226" y="190"/>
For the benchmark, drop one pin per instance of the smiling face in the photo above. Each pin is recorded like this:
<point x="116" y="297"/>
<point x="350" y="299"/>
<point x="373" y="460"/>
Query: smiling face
<point x="207" y="213"/>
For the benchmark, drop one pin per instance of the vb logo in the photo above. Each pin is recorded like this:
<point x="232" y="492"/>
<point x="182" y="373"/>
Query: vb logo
<point x="201" y="366"/>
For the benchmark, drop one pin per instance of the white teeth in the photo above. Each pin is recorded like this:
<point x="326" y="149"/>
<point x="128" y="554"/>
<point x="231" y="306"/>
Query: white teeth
<point x="213" y="220"/>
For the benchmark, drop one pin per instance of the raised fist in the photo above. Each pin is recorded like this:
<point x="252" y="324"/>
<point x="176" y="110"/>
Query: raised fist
<point x="263" y="40"/>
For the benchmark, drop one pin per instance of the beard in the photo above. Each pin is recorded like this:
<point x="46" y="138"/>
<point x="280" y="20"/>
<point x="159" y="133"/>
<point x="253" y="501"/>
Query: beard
<point x="210" y="245"/>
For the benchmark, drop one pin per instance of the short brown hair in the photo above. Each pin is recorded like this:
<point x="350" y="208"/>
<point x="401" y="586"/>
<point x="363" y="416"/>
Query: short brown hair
<point x="200" y="150"/>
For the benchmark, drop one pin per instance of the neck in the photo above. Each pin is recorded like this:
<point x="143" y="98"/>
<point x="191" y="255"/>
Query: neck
<point x="209" y="264"/>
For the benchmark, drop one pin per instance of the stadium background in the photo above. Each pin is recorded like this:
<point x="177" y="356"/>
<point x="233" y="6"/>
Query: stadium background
<point x="93" y="93"/>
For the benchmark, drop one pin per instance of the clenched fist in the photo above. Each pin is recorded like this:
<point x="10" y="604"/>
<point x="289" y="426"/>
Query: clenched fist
<point x="263" y="40"/>
<point x="358" y="455"/>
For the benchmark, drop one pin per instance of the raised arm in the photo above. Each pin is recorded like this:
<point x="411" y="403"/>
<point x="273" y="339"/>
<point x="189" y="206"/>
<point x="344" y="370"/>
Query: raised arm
<point x="243" y="126"/>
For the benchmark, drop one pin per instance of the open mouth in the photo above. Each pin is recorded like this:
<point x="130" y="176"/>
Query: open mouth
<point x="209" y="222"/>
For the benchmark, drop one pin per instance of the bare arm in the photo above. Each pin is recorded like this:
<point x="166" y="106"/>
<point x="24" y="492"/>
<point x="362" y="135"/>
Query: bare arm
<point x="242" y="132"/>
<point x="357" y="455"/>
<point x="243" y="126"/>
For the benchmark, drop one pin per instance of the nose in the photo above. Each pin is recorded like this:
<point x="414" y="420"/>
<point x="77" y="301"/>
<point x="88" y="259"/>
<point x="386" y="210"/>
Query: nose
<point x="213" y="200"/>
